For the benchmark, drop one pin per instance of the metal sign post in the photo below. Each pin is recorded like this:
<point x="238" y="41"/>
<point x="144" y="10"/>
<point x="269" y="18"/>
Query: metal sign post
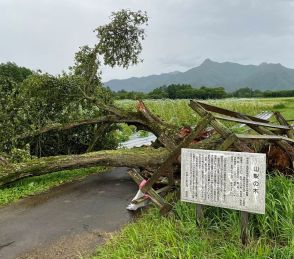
<point x="234" y="180"/>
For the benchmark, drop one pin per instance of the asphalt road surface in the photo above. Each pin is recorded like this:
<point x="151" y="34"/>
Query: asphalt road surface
<point x="67" y="221"/>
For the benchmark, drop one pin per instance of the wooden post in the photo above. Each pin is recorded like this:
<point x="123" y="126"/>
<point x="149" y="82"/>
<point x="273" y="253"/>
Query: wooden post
<point x="220" y="128"/>
<point x="199" y="214"/>
<point x="154" y="196"/>
<point x="230" y="140"/>
<point x="282" y="121"/>
<point x="244" y="227"/>
<point x="165" y="166"/>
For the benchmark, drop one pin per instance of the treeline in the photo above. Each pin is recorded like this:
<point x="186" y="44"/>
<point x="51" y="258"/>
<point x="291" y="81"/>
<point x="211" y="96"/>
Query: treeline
<point x="186" y="91"/>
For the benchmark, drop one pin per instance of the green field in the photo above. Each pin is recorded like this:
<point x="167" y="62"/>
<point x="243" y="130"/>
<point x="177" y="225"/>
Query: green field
<point x="179" y="113"/>
<point x="271" y="235"/>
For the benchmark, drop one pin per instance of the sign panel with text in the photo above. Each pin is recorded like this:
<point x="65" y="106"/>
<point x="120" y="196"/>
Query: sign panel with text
<point x="234" y="180"/>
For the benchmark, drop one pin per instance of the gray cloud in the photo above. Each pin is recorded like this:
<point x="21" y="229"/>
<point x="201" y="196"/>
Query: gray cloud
<point x="45" y="34"/>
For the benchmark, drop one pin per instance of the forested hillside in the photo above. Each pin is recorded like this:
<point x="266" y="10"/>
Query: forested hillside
<point x="231" y="76"/>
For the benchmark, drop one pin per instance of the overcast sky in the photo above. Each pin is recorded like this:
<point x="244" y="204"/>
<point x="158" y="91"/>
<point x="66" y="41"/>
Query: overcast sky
<point x="45" y="34"/>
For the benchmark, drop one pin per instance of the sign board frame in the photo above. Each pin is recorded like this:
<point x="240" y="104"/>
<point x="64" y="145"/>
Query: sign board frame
<point x="233" y="180"/>
<point x="258" y="167"/>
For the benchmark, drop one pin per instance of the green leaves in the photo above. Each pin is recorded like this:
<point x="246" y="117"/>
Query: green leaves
<point x="86" y="68"/>
<point x="15" y="73"/>
<point x="120" y="40"/>
<point x="33" y="100"/>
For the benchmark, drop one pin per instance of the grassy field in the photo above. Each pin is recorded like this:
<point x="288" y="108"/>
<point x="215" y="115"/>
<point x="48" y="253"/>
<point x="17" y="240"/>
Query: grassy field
<point x="178" y="112"/>
<point x="153" y="236"/>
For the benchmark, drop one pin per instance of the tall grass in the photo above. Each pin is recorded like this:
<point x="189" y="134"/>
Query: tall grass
<point x="178" y="112"/>
<point x="271" y="235"/>
<point x="153" y="236"/>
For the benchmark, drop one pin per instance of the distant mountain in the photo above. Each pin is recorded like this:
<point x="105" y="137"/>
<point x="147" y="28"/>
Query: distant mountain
<point x="230" y="75"/>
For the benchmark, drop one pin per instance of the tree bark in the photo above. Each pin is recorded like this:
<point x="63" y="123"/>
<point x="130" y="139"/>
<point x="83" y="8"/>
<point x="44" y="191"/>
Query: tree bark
<point x="147" y="158"/>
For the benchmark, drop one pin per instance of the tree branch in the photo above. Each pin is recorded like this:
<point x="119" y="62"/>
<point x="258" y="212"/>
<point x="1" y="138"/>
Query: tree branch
<point x="75" y="124"/>
<point x="166" y="133"/>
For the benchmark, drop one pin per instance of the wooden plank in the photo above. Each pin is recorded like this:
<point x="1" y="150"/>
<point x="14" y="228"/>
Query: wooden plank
<point x="224" y="131"/>
<point x="266" y="137"/>
<point x="161" y="190"/>
<point x="249" y="122"/>
<point x="263" y="115"/>
<point x="223" y="111"/>
<point x="176" y="152"/>
<point x="154" y="196"/>
<point x="282" y="121"/>
<point x="227" y="142"/>
<point x="219" y="127"/>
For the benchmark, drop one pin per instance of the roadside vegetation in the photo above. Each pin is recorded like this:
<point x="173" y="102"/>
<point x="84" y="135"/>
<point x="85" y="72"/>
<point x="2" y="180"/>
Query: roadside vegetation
<point x="38" y="184"/>
<point x="177" y="236"/>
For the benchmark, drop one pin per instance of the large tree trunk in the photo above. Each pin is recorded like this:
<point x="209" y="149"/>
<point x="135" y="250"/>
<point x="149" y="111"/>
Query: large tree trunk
<point x="147" y="158"/>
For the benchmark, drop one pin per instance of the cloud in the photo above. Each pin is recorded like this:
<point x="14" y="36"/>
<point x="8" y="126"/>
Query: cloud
<point x="45" y="34"/>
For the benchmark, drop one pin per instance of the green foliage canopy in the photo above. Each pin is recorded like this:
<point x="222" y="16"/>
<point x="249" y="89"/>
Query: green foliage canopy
<point x="120" y="40"/>
<point x="33" y="100"/>
<point x="14" y="72"/>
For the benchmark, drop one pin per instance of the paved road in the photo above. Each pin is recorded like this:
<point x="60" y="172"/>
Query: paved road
<point x="68" y="220"/>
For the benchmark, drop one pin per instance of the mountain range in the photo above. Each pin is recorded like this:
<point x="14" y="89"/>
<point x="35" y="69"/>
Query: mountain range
<point x="231" y="76"/>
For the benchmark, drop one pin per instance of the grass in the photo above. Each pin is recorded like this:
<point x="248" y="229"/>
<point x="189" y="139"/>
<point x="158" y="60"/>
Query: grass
<point x="153" y="236"/>
<point x="38" y="184"/>
<point x="286" y="108"/>
<point x="178" y="112"/>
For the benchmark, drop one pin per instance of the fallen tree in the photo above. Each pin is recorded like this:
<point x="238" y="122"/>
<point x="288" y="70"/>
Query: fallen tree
<point x="144" y="158"/>
<point x="170" y="140"/>
<point x="160" y="163"/>
<point x="148" y="158"/>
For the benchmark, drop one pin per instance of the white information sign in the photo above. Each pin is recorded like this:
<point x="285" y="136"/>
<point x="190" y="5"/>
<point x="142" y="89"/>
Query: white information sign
<point x="234" y="180"/>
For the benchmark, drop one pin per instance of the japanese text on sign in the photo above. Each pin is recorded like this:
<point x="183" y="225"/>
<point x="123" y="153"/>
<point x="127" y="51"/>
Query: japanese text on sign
<point x="234" y="180"/>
